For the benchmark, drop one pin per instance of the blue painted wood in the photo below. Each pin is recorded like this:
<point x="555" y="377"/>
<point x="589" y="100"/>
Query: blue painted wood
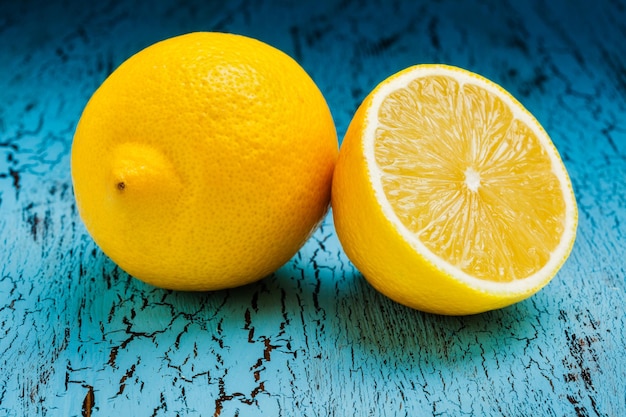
<point x="79" y="337"/>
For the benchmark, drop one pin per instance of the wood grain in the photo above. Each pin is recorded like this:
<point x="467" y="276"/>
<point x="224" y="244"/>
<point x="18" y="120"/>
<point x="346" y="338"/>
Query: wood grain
<point x="79" y="337"/>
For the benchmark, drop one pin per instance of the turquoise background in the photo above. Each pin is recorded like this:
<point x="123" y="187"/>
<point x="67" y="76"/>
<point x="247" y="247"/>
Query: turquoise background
<point x="79" y="337"/>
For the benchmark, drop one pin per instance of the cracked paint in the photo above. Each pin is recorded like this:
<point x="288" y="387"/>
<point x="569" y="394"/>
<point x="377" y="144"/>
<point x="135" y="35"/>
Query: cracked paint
<point x="79" y="337"/>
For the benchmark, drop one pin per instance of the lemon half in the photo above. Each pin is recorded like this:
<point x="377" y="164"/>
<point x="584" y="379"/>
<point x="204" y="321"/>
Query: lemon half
<point x="449" y="196"/>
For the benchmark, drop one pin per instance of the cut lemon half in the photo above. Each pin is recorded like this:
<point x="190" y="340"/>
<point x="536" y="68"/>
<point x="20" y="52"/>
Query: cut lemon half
<point x="448" y="195"/>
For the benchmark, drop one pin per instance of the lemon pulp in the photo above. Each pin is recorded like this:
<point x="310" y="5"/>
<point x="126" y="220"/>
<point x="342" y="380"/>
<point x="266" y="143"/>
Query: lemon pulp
<point x="459" y="175"/>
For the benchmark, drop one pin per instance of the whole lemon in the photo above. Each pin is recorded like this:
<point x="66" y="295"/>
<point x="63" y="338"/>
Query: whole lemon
<point x="204" y="161"/>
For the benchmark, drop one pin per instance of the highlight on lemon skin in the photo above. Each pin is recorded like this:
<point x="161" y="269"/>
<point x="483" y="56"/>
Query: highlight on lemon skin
<point x="449" y="196"/>
<point x="204" y="161"/>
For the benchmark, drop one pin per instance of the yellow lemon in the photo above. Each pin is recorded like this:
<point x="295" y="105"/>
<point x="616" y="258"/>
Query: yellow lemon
<point x="204" y="161"/>
<point x="449" y="196"/>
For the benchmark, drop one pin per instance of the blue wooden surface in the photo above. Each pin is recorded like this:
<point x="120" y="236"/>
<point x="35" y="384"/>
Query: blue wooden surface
<point x="80" y="337"/>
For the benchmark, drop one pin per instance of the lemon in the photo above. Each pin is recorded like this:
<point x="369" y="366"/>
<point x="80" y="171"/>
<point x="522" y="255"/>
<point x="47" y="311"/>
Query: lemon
<point x="204" y="161"/>
<point x="449" y="196"/>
